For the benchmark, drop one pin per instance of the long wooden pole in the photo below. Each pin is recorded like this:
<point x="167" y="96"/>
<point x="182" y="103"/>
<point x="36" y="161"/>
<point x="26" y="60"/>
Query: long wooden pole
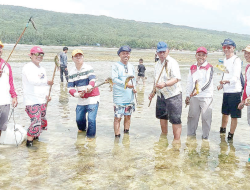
<point x="154" y="89"/>
<point x="51" y="85"/>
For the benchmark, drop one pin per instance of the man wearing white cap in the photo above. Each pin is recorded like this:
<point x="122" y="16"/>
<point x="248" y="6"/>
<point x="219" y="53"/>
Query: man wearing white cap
<point x="7" y="91"/>
<point x="199" y="94"/>
<point x="169" y="92"/>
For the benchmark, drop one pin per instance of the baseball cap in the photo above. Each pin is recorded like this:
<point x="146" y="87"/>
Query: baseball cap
<point x="123" y="48"/>
<point x="1" y="44"/>
<point x="247" y="48"/>
<point x="76" y="51"/>
<point x="162" y="46"/>
<point x="201" y="49"/>
<point x="228" y="42"/>
<point x="36" y="49"/>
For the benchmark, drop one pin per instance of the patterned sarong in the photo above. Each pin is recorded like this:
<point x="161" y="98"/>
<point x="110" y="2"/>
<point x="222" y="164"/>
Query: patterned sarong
<point x="38" y="120"/>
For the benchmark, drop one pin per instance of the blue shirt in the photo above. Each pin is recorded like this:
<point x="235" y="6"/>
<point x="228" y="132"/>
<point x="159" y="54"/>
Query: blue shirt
<point x="119" y="75"/>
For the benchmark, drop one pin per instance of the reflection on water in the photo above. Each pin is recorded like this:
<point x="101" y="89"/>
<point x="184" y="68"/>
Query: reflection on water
<point x="142" y="159"/>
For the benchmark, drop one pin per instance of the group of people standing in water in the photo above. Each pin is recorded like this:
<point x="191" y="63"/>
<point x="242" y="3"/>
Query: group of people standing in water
<point x="167" y="86"/>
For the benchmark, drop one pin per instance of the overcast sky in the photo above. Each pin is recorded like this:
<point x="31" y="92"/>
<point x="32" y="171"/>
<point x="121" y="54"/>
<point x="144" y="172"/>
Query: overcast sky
<point x="222" y="15"/>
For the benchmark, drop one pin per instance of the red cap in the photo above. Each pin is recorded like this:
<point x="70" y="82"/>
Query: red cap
<point x="36" y="49"/>
<point x="201" y="49"/>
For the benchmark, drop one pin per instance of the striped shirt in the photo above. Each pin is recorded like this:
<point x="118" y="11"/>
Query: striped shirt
<point x="172" y="71"/>
<point x="80" y="80"/>
<point x="204" y="76"/>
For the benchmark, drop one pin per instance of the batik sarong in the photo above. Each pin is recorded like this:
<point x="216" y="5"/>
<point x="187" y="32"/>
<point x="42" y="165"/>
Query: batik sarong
<point x="38" y="120"/>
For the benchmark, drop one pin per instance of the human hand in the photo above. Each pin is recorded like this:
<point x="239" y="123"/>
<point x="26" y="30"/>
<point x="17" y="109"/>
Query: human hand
<point x="247" y="101"/>
<point x="14" y="102"/>
<point x="224" y="82"/>
<point x="134" y="91"/>
<point x="48" y="99"/>
<point x="187" y="101"/>
<point x="161" y="85"/>
<point x="50" y="82"/>
<point x="1" y="71"/>
<point x="194" y="93"/>
<point x="130" y="85"/>
<point x="241" y="105"/>
<point x="220" y="87"/>
<point x="151" y="96"/>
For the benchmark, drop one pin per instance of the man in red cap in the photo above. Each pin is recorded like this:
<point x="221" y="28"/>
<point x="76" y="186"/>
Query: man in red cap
<point x="200" y="94"/>
<point x="7" y="91"/>
<point x="35" y="94"/>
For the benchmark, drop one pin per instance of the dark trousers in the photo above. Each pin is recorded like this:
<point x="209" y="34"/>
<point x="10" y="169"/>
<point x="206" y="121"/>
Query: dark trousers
<point x="63" y="69"/>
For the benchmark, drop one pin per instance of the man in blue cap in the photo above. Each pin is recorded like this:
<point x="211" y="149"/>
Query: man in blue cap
<point x="168" y="90"/>
<point x="123" y="98"/>
<point x="232" y="88"/>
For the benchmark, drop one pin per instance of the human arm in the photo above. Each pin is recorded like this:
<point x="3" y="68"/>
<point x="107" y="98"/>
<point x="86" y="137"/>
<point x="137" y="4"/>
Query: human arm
<point x="115" y="76"/>
<point x="236" y="71"/>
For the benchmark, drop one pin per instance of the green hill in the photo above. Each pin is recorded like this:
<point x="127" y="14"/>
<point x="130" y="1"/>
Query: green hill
<point x="78" y="29"/>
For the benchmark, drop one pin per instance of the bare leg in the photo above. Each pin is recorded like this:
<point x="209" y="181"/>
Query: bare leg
<point x="117" y="125"/>
<point x="127" y="120"/>
<point x="233" y="125"/>
<point x="224" y="121"/>
<point x="164" y="126"/>
<point x="29" y="138"/>
<point x="177" y="131"/>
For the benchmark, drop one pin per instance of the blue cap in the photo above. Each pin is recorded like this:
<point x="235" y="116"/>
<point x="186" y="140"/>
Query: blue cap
<point x="228" y="42"/>
<point x="124" y="48"/>
<point x="162" y="46"/>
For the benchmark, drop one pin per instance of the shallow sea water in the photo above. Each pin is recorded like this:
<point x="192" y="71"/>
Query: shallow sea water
<point x="144" y="159"/>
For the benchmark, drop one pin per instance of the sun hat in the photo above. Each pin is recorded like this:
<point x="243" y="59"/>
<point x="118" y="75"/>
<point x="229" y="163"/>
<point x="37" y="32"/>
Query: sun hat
<point x="1" y="44"/>
<point x="76" y="51"/>
<point x="247" y="48"/>
<point x="201" y="49"/>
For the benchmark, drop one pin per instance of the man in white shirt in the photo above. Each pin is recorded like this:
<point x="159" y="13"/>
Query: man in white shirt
<point x="200" y="94"/>
<point x="169" y="92"/>
<point x="232" y="88"/>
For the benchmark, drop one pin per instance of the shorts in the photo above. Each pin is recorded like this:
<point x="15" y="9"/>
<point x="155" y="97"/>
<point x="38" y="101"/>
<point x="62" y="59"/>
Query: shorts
<point x="169" y="109"/>
<point x="4" y="113"/>
<point x="230" y="104"/>
<point x="140" y="77"/>
<point x="123" y="109"/>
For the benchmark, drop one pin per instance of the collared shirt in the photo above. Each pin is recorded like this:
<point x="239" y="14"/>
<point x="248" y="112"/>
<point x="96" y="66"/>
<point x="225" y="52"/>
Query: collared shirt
<point x="233" y="66"/>
<point x="120" y="72"/>
<point x="204" y="76"/>
<point x="63" y="59"/>
<point x="35" y="87"/>
<point x="172" y="71"/>
<point x="246" y="92"/>
<point x="6" y="84"/>
<point x="80" y="80"/>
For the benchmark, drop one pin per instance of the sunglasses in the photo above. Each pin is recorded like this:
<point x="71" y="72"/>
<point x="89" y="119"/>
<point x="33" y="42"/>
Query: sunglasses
<point x="226" y="47"/>
<point x="37" y="54"/>
<point x="126" y="68"/>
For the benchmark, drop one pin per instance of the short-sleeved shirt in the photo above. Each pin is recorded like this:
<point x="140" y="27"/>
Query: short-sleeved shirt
<point x="141" y="70"/>
<point x="63" y="59"/>
<point x="172" y="71"/>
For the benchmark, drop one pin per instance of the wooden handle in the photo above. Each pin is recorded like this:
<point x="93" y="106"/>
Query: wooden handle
<point x="154" y="89"/>
<point x="51" y="85"/>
